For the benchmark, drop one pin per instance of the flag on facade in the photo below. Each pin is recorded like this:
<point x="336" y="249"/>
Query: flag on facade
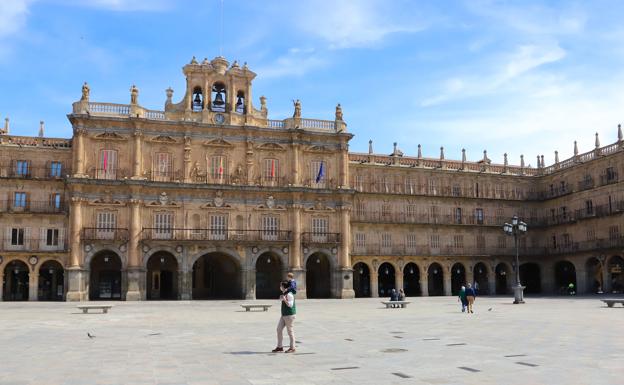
<point x="272" y="168"/>
<point x="105" y="160"/>
<point x="220" y="166"/>
<point x="321" y="173"/>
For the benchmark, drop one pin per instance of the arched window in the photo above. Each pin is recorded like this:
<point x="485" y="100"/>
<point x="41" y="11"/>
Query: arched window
<point x="218" y="97"/>
<point x="240" y="103"/>
<point x="198" y="99"/>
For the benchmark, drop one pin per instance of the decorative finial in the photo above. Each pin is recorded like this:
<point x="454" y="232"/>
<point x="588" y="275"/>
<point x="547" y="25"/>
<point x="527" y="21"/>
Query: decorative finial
<point x="338" y="112"/>
<point x="522" y="161"/>
<point x="370" y="146"/>
<point x="235" y="64"/>
<point x="505" y="159"/>
<point x="193" y="60"/>
<point x="85" y="92"/>
<point x="41" y="128"/>
<point x="5" y="131"/>
<point x="543" y="164"/>
<point x="245" y="66"/>
<point x="263" y="104"/>
<point x="463" y="155"/>
<point x="205" y="61"/>
<point x="620" y="137"/>
<point x="556" y="156"/>
<point x="169" y="92"/>
<point x="575" y="148"/>
<point x="134" y="95"/>
<point x="441" y="153"/>
<point x="597" y="141"/>
<point x="485" y="158"/>
<point x="539" y="164"/>
<point x="419" y="152"/>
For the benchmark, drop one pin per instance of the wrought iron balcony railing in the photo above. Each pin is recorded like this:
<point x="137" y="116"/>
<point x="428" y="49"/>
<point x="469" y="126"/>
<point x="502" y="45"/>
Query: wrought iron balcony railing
<point x="27" y="207"/>
<point x="105" y="234"/>
<point x="320" y="238"/>
<point x="214" y="234"/>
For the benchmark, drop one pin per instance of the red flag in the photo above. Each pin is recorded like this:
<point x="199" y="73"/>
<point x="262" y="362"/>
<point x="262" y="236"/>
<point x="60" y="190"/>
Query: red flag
<point x="220" y="166"/>
<point x="272" y="168"/>
<point x="105" y="159"/>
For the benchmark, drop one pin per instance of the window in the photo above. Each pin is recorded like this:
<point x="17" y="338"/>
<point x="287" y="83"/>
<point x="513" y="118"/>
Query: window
<point x="554" y="241"/>
<point x="17" y="237"/>
<point x="218" y="227"/>
<point x="240" y="225"/>
<point x="502" y="242"/>
<point x="458" y="215"/>
<point x="360" y="209"/>
<point x="55" y="201"/>
<point x="19" y="200"/>
<point x="106" y="223"/>
<point x="270" y="228"/>
<point x="591" y="235"/>
<point x="107" y="167"/>
<point x="56" y="169"/>
<point x="410" y="186"/>
<point x="611" y="174"/>
<point x="480" y="241"/>
<point x="476" y="189"/>
<point x="456" y="190"/>
<point x="479" y="216"/>
<point x="360" y="240"/>
<point x="434" y="213"/>
<point x="52" y="237"/>
<point x="359" y="182"/>
<point x="162" y="166"/>
<point x="270" y="171"/>
<point x="411" y="210"/>
<point x="562" y="186"/>
<point x="433" y="187"/>
<point x="318" y="173"/>
<point x="499" y="215"/>
<point x="218" y="168"/>
<point x="589" y="207"/>
<point x="567" y="240"/>
<point x="385" y="210"/>
<point x="386" y="240"/>
<point x="614" y="232"/>
<point x="163" y="225"/>
<point x="320" y="228"/>
<point x="411" y="241"/>
<point x="22" y="168"/>
<point x="564" y="213"/>
<point x="458" y="241"/>
<point x="196" y="226"/>
<point x="434" y="241"/>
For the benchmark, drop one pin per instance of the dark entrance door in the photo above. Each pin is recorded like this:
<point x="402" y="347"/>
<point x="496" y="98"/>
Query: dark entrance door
<point x="16" y="281"/>
<point x="318" y="276"/>
<point x="105" y="280"/>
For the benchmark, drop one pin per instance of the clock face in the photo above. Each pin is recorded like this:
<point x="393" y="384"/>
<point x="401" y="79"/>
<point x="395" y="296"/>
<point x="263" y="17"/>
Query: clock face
<point x="219" y="118"/>
<point x="33" y="260"/>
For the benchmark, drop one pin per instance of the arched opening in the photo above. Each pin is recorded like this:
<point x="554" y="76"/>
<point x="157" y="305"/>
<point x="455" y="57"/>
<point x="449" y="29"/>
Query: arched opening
<point x="386" y="279"/>
<point x="502" y="274"/>
<point x="411" y="280"/>
<point x="219" y="97"/>
<point x="615" y="265"/>
<point x="530" y="277"/>
<point x="239" y="108"/>
<point x="565" y="274"/>
<point x="361" y="280"/>
<point x="480" y="274"/>
<point x="162" y="276"/>
<point x="198" y="99"/>
<point x="216" y="276"/>
<point x="16" y="276"/>
<point x="105" y="280"/>
<point x="595" y="283"/>
<point x="458" y="278"/>
<point x="51" y="285"/>
<point x="268" y="276"/>
<point x="435" y="278"/>
<point x="318" y="276"/>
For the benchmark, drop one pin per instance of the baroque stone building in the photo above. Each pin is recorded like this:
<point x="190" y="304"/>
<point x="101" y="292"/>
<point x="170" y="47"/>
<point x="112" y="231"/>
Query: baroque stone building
<point x="212" y="199"/>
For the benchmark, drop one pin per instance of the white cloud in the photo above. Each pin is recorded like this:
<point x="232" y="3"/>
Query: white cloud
<point x="13" y="14"/>
<point x="296" y="62"/>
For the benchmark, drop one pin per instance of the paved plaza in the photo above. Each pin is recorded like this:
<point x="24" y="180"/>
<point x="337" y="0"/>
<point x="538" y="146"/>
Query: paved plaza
<point x="546" y="341"/>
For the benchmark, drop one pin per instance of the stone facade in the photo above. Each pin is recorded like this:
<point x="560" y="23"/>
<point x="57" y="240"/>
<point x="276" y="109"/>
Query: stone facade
<point x="211" y="199"/>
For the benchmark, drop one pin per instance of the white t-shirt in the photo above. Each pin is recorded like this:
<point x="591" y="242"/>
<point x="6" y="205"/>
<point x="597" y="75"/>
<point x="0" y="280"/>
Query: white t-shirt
<point x="290" y="299"/>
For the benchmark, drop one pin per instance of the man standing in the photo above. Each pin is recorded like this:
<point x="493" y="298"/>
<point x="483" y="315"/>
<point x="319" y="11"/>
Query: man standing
<point x="470" y="296"/>
<point x="287" y="319"/>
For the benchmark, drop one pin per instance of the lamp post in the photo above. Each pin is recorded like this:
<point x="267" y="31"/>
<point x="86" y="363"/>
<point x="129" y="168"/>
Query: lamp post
<point x="516" y="228"/>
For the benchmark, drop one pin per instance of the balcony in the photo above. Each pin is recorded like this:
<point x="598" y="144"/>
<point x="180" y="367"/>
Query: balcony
<point x="45" y="173"/>
<point x="105" y="234"/>
<point x="424" y="250"/>
<point x="586" y="184"/>
<point x="214" y="234"/>
<point x="33" y="207"/>
<point x="597" y="244"/>
<point x="320" y="238"/>
<point x="29" y="244"/>
<point x="609" y="178"/>
<point x="425" y="219"/>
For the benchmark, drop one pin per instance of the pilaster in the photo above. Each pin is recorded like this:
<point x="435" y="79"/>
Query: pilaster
<point x="78" y="152"/>
<point x="33" y="286"/>
<point x="374" y="284"/>
<point x="447" y="282"/>
<point x="77" y="287"/>
<point x="424" y="285"/>
<point x="185" y="285"/>
<point x="135" y="279"/>
<point x="137" y="169"/>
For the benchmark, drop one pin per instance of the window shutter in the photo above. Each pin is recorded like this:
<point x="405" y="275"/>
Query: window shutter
<point x="27" y="240"/>
<point x="27" y="206"/>
<point x="42" y="238"/>
<point x="61" y="241"/>
<point x="7" y="238"/>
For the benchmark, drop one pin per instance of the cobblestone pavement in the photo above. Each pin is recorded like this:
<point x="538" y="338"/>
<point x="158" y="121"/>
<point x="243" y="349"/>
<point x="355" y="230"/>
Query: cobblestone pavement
<point x="545" y="341"/>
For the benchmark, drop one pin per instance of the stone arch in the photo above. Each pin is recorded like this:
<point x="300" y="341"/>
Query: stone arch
<point x="16" y="280"/>
<point x="565" y="274"/>
<point x="209" y="250"/>
<point x="458" y="277"/>
<point x="217" y="275"/>
<point x="595" y="278"/>
<point x="411" y="279"/>
<point x="615" y="273"/>
<point x="319" y="266"/>
<point x="435" y="278"/>
<point x="162" y="249"/>
<point x="480" y="273"/>
<point x="386" y="278"/>
<point x="97" y="250"/>
<point x="283" y="258"/>
<point x="531" y="278"/>
<point x="51" y="281"/>
<point x="269" y="268"/>
<point x="362" y="279"/>
<point x="105" y="278"/>
<point x="162" y="275"/>
<point x="504" y="278"/>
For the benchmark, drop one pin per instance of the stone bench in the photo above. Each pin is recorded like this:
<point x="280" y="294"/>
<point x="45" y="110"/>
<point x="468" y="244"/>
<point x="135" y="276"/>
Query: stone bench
<point x="612" y="301"/>
<point x="85" y="308"/>
<point x="249" y="307"/>
<point x="401" y="303"/>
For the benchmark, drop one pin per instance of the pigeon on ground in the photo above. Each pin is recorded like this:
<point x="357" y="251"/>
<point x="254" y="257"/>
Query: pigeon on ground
<point x="90" y="336"/>
<point x="490" y="309"/>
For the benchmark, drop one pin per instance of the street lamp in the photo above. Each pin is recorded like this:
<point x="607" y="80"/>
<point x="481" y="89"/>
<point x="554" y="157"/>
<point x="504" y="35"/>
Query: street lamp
<point x="516" y="228"/>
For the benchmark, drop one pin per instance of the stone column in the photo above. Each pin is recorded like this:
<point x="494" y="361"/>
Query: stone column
<point x="76" y="275"/>
<point x="344" y="166"/>
<point x="185" y="284"/>
<point x="447" y="281"/>
<point x="492" y="282"/>
<point x="399" y="280"/>
<point x="138" y="154"/>
<point x="296" y="172"/>
<point x="346" y="276"/>
<point x="295" y="257"/>
<point x="374" y="284"/>
<point x="78" y="152"/>
<point x="547" y="277"/>
<point x="470" y="275"/>
<point x="249" y="283"/>
<point x="581" y="281"/>
<point x="136" y="273"/>
<point x="33" y="285"/>
<point x="424" y="284"/>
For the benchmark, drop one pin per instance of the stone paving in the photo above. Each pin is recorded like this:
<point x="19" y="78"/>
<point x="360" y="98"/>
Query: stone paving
<point x="546" y="341"/>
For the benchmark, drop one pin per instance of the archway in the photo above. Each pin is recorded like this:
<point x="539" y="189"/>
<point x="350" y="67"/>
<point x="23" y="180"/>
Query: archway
<point x="361" y="280"/>
<point x="268" y="276"/>
<point x="411" y="280"/>
<point x="616" y="277"/>
<point x="386" y="279"/>
<point x="480" y="274"/>
<point x="216" y="276"/>
<point x="51" y="285"/>
<point x="530" y="277"/>
<point x="435" y="278"/>
<point x="565" y="274"/>
<point x="105" y="277"/>
<point x="458" y="278"/>
<point x="162" y="276"/>
<point x="502" y="275"/>
<point x="595" y="282"/>
<point x="16" y="275"/>
<point x="318" y="283"/>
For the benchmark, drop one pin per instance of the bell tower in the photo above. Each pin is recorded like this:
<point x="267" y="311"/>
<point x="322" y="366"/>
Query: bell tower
<point x="216" y="92"/>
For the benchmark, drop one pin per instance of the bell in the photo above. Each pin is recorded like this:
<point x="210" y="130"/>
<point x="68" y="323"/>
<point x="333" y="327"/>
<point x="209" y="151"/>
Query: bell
<point x="218" y="100"/>
<point x="239" y="102"/>
<point x="197" y="100"/>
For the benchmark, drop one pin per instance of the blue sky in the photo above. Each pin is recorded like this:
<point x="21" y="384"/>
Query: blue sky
<point x="522" y="77"/>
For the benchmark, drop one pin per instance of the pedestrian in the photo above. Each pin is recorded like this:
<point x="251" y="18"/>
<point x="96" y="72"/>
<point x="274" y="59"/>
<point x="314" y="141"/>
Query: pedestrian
<point x="470" y="297"/>
<point x="292" y="283"/>
<point x="462" y="298"/>
<point x="394" y="297"/>
<point x="401" y="296"/>
<point x="287" y="318"/>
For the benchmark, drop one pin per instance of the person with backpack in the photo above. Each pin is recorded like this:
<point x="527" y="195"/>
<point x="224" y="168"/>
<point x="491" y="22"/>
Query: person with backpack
<point x="287" y="319"/>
